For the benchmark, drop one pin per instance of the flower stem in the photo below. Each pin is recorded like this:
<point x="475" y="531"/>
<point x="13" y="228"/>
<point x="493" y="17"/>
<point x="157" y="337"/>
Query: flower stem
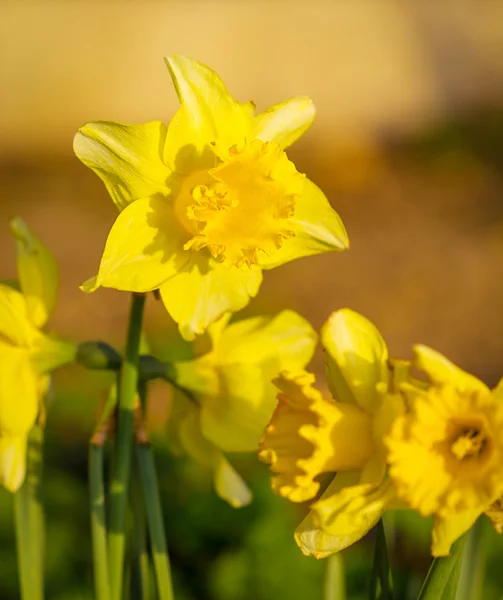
<point x="380" y="568"/>
<point x="29" y="521"/>
<point x="334" y="585"/>
<point x="140" y="534"/>
<point x="98" y="522"/>
<point x="122" y="458"/>
<point x="155" y="521"/>
<point x="439" y="573"/>
<point x="472" y="566"/>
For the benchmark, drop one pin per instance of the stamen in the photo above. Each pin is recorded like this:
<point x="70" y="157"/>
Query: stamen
<point x="244" y="212"/>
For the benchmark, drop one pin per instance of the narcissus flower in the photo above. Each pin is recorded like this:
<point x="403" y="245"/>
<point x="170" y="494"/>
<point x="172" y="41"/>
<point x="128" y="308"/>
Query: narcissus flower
<point x="232" y="393"/>
<point x="310" y="434"/>
<point x="208" y="202"/>
<point x="446" y="453"/>
<point x="26" y="354"/>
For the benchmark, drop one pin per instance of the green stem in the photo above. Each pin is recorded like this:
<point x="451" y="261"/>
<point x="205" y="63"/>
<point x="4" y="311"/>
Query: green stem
<point x="471" y="579"/>
<point x="334" y="585"/>
<point x="122" y="459"/>
<point x="98" y="522"/>
<point x="140" y="534"/>
<point x="380" y="568"/>
<point x="29" y="521"/>
<point x="155" y="521"/>
<point x="439" y="573"/>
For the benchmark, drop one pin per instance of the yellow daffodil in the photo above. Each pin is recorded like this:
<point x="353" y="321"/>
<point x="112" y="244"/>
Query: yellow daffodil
<point x="310" y="434"/>
<point x="232" y="396"/>
<point x="208" y="202"/>
<point x="446" y="453"/>
<point x="26" y="354"/>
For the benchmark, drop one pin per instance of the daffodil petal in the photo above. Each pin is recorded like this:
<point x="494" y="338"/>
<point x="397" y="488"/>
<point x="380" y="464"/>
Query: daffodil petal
<point x="442" y="371"/>
<point x="447" y="531"/>
<point x="284" y="123"/>
<point x="355" y="358"/>
<point x="127" y="158"/>
<point x="228" y="483"/>
<point x="50" y="353"/>
<point x="317" y="226"/>
<point x="287" y="339"/>
<point x="38" y="273"/>
<point x="204" y="290"/>
<point x="212" y="112"/>
<point x="310" y="538"/>
<point x="15" y="324"/>
<point x="19" y="396"/>
<point x="248" y="355"/>
<point x="350" y="513"/>
<point x="235" y="417"/>
<point x="144" y="248"/>
<point x="12" y="461"/>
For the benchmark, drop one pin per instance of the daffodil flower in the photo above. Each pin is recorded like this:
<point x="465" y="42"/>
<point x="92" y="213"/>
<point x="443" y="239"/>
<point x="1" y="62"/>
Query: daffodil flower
<point x="446" y="452"/>
<point x="27" y="354"/>
<point x="208" y="202"/>
<point x="311" y="434"/>
<point x="231" y="393"/>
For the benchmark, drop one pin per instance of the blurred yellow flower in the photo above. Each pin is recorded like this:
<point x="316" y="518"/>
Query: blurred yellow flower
<point x="208" y="202"/>
<point x="446" y="453"/>
<point x="310" y="434"/>
<point x="231" y="393"/>
<point x="26" y="354"/>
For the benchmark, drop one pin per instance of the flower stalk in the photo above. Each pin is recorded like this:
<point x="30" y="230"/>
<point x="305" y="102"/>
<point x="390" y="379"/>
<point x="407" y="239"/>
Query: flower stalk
<point x="122" y="459"/>
<point x="380" y="569"/>
<point x="440" y="571"/>
<point x="334" y="587"/>
<point x="29" y="522"/>
<point x="155" y="521"/>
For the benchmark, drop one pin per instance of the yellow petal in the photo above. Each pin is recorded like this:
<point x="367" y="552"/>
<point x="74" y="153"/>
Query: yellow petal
<point x="228" y="483"/>
<point x="37" y="271"/>
<point x="447" y="531"/>
<point x="50" y="353"/>
<point x="15" y="324"/>
<point x="204" y="290"/>
<point x="235" y="417"/>
<point x="283" y="341"/>
<point x="233" y="382"/>
<point x="442" y="371"/>
<point x="318" y="228"/>
<point x="144" y="248"/>
<point x="18" y="391"/>
<point x="12" y="461"/>
<point x="212" y="113"/>
<point x="284" y="123"/>
<point x="312" y="540"/>
<point x="355" y="359"/>
<point x="127" y="158"/>
<point x="351" y="512"/>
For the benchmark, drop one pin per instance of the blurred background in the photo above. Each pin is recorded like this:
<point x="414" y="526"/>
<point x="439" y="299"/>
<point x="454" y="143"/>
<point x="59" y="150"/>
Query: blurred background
<point x="408" y="146"/>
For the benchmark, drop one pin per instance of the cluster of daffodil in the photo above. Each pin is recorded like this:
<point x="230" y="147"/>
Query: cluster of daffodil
<point x="391" y="440"/>
<point x="205" y="205"/>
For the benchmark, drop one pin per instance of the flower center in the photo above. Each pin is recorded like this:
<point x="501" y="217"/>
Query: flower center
<point x="243" y="210"/>
<point x="471" y="443"/>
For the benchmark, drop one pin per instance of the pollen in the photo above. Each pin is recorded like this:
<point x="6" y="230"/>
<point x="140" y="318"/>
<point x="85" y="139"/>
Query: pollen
<point x="243" y="211"/>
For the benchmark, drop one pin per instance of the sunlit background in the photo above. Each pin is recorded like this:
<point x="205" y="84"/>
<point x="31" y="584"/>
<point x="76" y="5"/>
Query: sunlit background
<point x="408" y="146"/>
